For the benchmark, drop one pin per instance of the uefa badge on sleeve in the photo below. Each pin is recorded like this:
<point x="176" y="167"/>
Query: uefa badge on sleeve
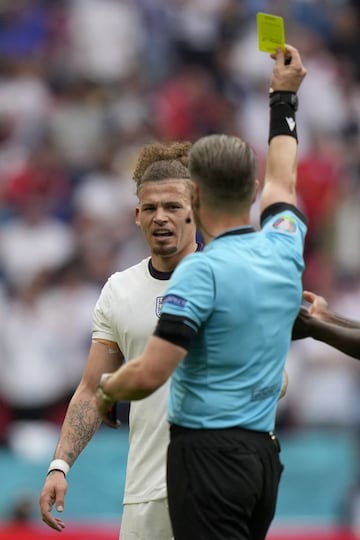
<point x="285" y="224"/>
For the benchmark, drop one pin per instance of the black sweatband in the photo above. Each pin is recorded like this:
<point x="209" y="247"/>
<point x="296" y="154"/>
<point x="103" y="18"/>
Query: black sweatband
<point x="178" y="330"/>
<point x="282" y="96"/>
<point x="283" y="106"/>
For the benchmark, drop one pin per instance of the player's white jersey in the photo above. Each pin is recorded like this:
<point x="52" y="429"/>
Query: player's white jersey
<point x="127" y="313"/>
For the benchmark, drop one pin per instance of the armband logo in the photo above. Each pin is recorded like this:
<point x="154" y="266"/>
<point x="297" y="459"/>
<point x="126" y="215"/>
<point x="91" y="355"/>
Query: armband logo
<point x="175" y="300"/>
<point x="285" y="224"/>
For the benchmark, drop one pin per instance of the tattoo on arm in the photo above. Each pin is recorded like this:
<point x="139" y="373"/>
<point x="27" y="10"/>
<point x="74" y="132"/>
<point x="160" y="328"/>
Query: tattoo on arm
<point x="82" y="421"/>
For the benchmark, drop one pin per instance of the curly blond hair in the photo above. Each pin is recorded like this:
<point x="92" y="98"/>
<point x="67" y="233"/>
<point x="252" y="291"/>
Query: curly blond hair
<point x="162" y="161"/>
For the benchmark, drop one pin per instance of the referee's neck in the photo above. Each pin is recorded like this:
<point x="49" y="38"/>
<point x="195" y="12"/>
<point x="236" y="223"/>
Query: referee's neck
<point x="214" y="223"/>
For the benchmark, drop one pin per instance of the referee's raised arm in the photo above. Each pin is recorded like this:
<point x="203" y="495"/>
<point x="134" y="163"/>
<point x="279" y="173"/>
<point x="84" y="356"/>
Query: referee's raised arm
<point x="281" y="162"/>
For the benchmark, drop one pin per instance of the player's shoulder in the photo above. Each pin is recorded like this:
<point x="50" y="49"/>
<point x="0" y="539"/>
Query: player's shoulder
<point x="128" y="274"/>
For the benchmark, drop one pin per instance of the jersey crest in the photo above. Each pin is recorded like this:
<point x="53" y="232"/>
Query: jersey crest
<point x="158" y="305"/>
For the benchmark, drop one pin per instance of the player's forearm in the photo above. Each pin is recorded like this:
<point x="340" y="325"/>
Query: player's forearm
<point x="345" y="339"/>
<point x="81" y="422"/>
<point x="335" y="318"/>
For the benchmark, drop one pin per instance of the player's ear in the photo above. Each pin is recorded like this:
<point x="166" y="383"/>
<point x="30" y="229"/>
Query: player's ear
<point x="256" y="191"/>
<point x="137" y="216"/>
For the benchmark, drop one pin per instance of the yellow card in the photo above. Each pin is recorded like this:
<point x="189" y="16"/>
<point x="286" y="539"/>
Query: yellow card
<point x="271" y="32"/>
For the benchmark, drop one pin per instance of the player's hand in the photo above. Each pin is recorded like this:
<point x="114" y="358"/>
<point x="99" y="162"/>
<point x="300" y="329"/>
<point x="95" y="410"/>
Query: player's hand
<point x="53" y="493"/>
<point x="288" y="71"/>
<point x="106" y="406"/>
<point x="318" y="305"/>
<point x="309" y="316"/>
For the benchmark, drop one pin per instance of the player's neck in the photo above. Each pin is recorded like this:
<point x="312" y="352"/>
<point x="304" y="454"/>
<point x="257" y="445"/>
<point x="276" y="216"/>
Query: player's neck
<point x="169" y="263"/>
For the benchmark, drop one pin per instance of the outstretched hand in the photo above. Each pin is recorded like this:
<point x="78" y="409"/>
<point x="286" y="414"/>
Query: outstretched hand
<point x="288" y="71"/>
<point x="318" y="305"/>
<point x="307" y="316"/>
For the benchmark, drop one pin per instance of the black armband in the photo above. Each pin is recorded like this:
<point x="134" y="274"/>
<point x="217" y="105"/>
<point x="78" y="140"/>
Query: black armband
<point x="178" y="330"/>
<point x="283" y="106"/>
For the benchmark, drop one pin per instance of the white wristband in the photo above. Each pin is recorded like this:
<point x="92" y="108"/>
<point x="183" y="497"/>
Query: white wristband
<point x="59" y="465"/>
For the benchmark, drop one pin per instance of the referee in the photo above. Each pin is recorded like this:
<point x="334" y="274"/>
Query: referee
<point x="225" y="330"/>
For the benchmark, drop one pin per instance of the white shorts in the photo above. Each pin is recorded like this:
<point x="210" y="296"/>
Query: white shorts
<point x="146" y="521"/>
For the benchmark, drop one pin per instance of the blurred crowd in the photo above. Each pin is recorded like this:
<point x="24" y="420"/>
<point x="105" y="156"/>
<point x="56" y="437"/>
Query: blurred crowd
<point x="83" y="85"/>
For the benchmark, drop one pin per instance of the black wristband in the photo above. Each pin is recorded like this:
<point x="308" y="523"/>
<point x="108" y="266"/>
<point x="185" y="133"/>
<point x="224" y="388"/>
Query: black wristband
<point x="282" y="121"/>
<point x="282" y="96"/>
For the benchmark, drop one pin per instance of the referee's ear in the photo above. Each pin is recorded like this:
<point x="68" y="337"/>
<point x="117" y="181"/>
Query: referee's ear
<point x="195" y="202"/>
<point x="256" y="191"/>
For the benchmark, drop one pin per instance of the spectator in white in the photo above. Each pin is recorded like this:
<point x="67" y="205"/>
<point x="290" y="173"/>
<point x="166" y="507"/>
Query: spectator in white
<point x="106" y="198"/>
<point x="76" y="124"/>
<point x="105" y="39"/>
<point x="33" y="241"/>
<point x="40" y="369"/>
<point x="25" y="100"/>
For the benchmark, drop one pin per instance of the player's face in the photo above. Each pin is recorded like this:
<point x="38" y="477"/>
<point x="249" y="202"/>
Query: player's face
<point x="163" y="213"/>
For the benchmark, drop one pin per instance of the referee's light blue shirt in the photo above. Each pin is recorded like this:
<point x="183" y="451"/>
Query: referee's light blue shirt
<point x="242" y="295"/>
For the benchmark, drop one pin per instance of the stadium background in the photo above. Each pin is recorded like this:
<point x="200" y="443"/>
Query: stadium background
<point x="83" y="84"/>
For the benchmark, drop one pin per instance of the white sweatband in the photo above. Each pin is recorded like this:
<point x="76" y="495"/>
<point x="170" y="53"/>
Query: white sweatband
<point x="59" y="465"/>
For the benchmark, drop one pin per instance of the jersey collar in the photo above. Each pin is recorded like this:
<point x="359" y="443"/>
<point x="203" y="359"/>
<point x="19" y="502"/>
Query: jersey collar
<point x="239" y="230"/>
<point x="157" y="274"/>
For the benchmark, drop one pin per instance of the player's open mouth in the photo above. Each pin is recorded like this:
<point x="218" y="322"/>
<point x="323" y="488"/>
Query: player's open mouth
<point x="162" y="234"/>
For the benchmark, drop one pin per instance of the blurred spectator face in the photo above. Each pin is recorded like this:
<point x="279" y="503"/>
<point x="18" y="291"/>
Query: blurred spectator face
<point x="162" y="213"/>
<point x="187" y="106"/>
<point x="39" y="185"/>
